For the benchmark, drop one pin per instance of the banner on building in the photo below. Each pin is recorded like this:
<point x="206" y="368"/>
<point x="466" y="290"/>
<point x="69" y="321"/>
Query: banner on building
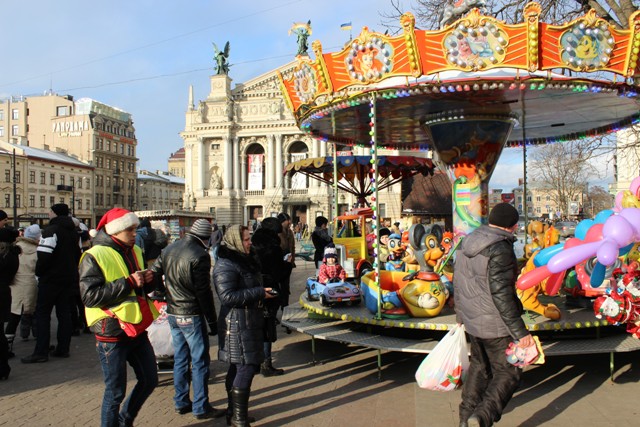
<point x="255" y="171"/>
<point x="299" y="180"/>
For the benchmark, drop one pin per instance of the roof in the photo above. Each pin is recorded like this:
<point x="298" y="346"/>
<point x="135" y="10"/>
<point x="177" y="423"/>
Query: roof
<point x="178" y="155"/>
<point x="52" y="156"/>
<point x="165" y="177"/>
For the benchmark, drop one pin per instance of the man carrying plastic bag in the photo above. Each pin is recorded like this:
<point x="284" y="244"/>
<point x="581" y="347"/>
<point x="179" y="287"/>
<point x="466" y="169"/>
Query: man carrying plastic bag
<point x="485" y="274"/>
<point x="446" y="366"/>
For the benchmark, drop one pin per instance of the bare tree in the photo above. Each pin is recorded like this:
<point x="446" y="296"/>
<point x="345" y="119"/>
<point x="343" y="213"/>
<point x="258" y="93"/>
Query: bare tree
<point x="597" y="200"/>
<point x="616" y="12"/>
<point x="564" y="169"/>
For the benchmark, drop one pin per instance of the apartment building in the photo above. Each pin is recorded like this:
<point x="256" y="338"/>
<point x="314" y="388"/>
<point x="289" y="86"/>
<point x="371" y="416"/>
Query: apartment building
<point x="159" y="191"/>
<point x="90" y="131"/>
<point x="42" y="179"/>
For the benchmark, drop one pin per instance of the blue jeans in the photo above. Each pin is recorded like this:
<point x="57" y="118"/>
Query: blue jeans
<point x="113" y="358"/>
<point x="191" y="345"/>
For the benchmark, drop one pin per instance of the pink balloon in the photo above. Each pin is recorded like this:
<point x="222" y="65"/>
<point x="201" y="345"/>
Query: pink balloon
<point x="595" y="233"/>
<point x="607" y="252"/>
<point x="619" y="230"/>
<point x="618" y="203"/>
<point x="572" y="256"/>
<point x="635" y="184"/>
<point x="554" y="283"/>
<point x="532" y="278"/>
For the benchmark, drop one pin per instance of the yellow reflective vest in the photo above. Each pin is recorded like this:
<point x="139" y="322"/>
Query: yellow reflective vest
<point x="113" y="267"/>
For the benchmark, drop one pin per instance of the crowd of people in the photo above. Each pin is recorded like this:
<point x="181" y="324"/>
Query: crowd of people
<point x="112" y="271"/>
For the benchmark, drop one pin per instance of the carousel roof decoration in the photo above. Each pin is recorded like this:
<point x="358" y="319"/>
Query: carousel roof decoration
<point x="585" y="70"/>
<point x="355" y="173"/>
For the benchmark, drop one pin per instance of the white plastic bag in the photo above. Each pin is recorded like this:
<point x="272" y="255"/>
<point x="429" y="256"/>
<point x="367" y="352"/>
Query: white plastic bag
<point x="160" y="334"/>
<point x="446" y="366"/>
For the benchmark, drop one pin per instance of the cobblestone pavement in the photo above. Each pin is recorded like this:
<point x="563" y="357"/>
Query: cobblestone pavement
<point x="341" y="390"/>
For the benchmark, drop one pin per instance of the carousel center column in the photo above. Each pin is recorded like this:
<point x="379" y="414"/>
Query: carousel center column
<point x="468" y="148"/>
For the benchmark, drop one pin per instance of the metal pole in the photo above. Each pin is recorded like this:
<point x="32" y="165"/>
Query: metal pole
<point x="524" y="174"/>
<point x="73" y="197"/>
<point x="15" y="191"/>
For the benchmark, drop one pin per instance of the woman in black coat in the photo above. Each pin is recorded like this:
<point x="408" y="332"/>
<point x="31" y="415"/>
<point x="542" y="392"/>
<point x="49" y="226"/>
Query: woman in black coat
<point x="275" y="270"/>
<point x="9" y="263"/>
<point x="238" y="283"/>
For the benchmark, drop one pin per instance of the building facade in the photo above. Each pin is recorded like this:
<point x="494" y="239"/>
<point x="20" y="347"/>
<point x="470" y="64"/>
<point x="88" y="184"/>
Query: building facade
<point x="159" y="191"/>
<point x="176" y="163"/>
<point x="237" y="143"/>
<point x="92" y="132"/>
<point x="44" y="178"/>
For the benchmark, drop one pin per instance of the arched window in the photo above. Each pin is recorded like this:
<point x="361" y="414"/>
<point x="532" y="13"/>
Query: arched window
<point x="255" y="167"/>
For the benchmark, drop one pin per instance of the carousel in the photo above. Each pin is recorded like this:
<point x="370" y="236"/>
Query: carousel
<point x="465" y="92"/>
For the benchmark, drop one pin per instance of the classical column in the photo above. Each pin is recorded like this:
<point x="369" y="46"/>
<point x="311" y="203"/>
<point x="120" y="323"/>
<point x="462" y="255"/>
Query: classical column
<point x="228" y="162"/>
<point x="315" y="152"/>
<point x="268" y="164"/>
<point x="243" y="173"/>
<point x="279" y="150"/>
<point x="188" y="162"/>
<point x="201" y="165"/>
<point x="236" y="163"/>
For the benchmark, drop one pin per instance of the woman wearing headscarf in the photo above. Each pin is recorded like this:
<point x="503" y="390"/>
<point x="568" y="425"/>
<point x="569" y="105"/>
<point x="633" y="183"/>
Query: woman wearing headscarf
<point x="238" y="283"/>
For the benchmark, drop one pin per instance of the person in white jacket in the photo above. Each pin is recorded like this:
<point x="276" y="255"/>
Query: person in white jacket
<point x="24" y="288"/>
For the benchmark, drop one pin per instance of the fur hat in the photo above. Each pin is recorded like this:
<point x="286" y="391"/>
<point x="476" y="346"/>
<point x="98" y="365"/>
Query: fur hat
<point x="33" y="232"/>
<point x="60" y="209"/>
<point x="504" y="215"/>
<point x="117" y="220"/>
<point x="201" y="228"/>
<point x="330" y="252"/>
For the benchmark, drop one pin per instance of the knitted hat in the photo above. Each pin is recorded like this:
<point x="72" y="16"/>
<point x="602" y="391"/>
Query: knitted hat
<point x="3" y="215"/>
<point x="60" y="209"/>
<point x="33" y="232"/>
<point x="117" y="220"/>
<point x="201" y="228"/>
<point x="504" y="215"/>
<point x="330" y="252"/>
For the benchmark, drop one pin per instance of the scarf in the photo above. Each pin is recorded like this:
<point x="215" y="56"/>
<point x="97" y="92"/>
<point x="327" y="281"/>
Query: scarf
<point x="232" y="239"/>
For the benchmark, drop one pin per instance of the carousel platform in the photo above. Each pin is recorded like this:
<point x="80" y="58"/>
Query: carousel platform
<point x="577" y="332"/>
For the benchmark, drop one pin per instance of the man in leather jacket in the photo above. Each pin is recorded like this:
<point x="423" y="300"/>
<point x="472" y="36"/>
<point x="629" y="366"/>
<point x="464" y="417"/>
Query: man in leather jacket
<point x="186" y="266"/>
<point x="485" y="274"/>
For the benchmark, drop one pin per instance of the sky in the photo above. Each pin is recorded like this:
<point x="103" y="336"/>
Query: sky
<point x="142" y="55"/>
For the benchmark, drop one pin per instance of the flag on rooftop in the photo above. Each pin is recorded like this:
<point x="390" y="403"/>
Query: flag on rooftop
<point x="346" y="26"/>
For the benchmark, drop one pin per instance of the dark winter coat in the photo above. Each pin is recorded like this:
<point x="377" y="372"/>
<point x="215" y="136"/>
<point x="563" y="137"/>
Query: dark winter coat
<point x="59" y="254"/>
<point x="484" y="280"/>
<point x="274" y="270"/>
<point x="236" y="277"/>
<point x="320" y="238"/>
<point x="9" y="263"/>
<point x="186" y="266"/>
<point x="95" y="291"/>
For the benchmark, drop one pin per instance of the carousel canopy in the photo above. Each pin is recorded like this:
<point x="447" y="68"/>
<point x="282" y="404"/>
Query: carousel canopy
<point x="561" y="82"/>
<point x="355" y="174"/>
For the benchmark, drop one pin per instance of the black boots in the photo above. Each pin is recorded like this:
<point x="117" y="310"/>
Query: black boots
<point x="229" y="414"/>
<point x="240" y="403"/>
<point x="267" y="369"/>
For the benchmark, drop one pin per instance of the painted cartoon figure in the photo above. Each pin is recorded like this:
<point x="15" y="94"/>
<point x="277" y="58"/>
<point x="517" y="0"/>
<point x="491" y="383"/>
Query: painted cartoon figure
<point x="395" y="262"/>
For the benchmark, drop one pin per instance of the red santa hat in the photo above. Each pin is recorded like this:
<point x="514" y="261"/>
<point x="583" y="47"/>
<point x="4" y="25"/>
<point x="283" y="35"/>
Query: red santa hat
<point x="117" y="220"/>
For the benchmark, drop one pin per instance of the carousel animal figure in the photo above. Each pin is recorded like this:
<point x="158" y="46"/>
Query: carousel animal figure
<point x="542" y="237"/>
